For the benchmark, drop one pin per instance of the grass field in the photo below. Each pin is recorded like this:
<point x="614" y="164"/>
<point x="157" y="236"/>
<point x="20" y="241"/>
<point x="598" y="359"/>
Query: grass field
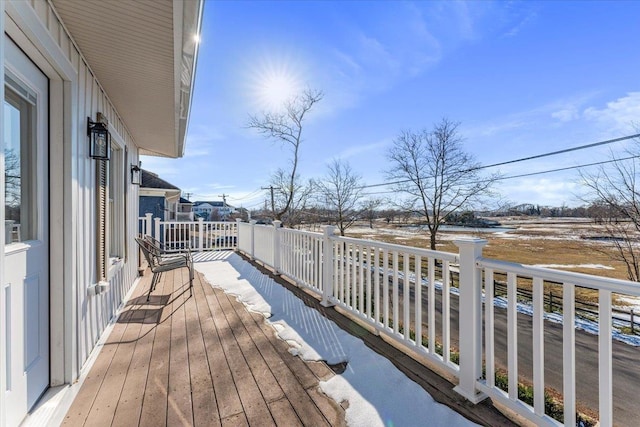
<point x="563" y="243"/>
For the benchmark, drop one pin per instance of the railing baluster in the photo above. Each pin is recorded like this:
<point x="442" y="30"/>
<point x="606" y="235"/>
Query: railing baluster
<point x="304" y="244"/>
<point x="299" y="251"/>
<point x="294" y="255"/>
<point x="385" y="287"/>
<point x="395" y="308"/>
<point x="341" y="248"/>
<point x="431" y="311"/>
<point x="538" y="346"/>
<point x="569" y="352"/>
<point x="417" y="299"/>
<point x="311" y="253"/>
<point x="406" y="290"/>
<point x="446" y="313"/>
<point x="376" y="284"/>
<point x="354" y="277"/>
<point x="318" y="262"/>
<point x="337" y="270"/>
<point x="361" y="279"/>
<point x="489" y="328"/>
<point x="512" y="335"/>
<point x="369" y="272"/>
<point x="348" y="280"/>
<point x="605" y="372"/>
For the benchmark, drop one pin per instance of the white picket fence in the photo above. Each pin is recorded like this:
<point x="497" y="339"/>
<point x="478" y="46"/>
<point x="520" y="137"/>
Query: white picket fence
<point x="390" y="287"/>
<point x="198" y="235"/>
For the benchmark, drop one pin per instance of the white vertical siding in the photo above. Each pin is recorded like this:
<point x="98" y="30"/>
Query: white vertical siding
<point x="92" y="312"/>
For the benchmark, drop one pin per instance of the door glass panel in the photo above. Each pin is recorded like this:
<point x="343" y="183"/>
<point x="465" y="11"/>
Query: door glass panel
<point x="19" y="173"/>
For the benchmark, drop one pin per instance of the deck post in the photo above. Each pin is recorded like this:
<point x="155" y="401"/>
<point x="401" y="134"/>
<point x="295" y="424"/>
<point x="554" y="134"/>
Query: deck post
<point x="200" y="233"/>
<point x="276" y="247"/>
<point x="327" y="266"/>
<point x="238" y="221"/>
<point x="253" y="240"/>
<point x="157" y="231"/>
<point x="148" y="223"/>
<point x="470" y="286"/>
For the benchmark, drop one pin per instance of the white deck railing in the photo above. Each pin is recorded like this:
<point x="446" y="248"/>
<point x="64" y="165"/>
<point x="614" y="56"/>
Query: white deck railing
<point x="198" y="235"/>
<point x="405" y="294"/>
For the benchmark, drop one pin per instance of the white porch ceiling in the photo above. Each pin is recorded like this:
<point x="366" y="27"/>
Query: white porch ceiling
<point x="143" y="53"/>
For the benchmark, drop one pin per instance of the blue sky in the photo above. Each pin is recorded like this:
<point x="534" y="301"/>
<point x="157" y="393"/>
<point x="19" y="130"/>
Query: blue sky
<point x="522" y="78"/>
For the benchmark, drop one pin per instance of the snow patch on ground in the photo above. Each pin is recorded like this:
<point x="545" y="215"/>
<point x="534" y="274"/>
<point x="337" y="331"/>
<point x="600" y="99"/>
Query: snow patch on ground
<point x="593" y="266"/>
<point x="632" y="302"/>
<point x="377" y="392"/>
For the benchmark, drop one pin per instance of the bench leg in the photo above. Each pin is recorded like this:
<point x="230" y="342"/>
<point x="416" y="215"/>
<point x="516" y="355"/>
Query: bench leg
<point x="154" y="280"/>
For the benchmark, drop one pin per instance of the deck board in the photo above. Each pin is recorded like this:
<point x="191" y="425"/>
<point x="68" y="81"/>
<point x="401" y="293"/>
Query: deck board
<point x="130" y="404"/>
<point x="154" y="401"/>
<point x="205" y="409"/>
<point x="81" y="408"/>
<point x="199" y="359"/>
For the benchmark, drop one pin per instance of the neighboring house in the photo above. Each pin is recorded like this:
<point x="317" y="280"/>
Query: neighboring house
<point x="212" y="211"/>
<point x="162" y="199"/>
<point x="184" y="211"/>
<point x="69" y="258"/>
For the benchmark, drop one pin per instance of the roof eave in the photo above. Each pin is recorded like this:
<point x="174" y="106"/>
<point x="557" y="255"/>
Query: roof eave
<point x="187" y="37"/>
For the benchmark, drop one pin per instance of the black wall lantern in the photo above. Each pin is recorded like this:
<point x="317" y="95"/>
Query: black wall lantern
<point x="136" y="174"/>
<point x="99" y="139"/>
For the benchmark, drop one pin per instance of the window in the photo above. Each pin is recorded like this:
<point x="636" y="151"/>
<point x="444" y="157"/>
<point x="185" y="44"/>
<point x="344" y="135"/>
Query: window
<point x="19" y="163"/>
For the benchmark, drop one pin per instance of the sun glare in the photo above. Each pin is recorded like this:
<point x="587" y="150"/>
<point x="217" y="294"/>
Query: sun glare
<point x="274" y="82"/>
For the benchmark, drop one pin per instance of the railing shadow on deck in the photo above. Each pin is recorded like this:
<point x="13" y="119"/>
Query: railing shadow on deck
<point x="151" y="316"/>
<point x="310" y="325"/>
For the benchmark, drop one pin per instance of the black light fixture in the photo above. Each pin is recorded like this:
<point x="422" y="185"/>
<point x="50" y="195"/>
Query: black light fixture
<point x="99" y="139"/>
<point x="136" y="174"/>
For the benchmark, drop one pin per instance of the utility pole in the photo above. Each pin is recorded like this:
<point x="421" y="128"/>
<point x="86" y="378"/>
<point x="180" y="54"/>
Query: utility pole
<point x="188" y="196"/>
<point x="224" y="205"/>
<point x="273" y="203"/>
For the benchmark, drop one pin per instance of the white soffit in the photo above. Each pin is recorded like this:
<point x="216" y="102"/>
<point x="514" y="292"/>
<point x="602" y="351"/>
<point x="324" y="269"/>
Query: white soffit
<point x="143" y="53"/>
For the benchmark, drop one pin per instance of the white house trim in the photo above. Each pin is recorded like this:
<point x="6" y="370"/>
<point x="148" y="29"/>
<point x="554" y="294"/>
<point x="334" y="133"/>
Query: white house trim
<point x="3" y="330"/>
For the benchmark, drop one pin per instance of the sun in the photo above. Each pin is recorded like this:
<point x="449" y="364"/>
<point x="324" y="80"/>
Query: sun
<point x="274" y="81"/>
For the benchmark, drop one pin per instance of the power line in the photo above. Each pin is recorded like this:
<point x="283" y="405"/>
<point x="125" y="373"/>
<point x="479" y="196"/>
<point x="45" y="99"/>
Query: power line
<point x="255" y="205"/>
<point x="504" y="178"/>
<point x="248" y="195"/>
<point x="522" y="159"/>
<point x="565" y="168"/>
<point x="555" y="153"/>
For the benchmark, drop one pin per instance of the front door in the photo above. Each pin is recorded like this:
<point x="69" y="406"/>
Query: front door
<point x="26" y="247"/>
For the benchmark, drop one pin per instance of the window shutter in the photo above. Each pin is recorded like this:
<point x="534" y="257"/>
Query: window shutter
<point x="102" y="202"/>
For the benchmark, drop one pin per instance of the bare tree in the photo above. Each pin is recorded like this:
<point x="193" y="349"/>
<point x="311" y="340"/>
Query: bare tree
<point x="286" y="126"/>
<point x="614" y="191"/>
<point x="341" y="191"/>
<point x="435" y="173"/>
<point x="369" y="210"/>
<point x="292" y="194"/>
<point x="12" y="177"/>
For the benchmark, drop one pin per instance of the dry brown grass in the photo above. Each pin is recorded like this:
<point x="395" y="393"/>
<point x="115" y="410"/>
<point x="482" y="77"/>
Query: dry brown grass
<point x="531" y="243"/>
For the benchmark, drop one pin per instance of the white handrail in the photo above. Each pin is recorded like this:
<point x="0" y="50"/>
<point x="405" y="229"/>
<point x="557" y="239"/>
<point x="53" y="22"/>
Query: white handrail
<point x="198" y="235"/>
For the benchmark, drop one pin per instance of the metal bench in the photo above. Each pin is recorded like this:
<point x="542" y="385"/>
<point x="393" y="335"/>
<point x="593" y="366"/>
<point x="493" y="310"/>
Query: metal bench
<point x="159" y="261"/>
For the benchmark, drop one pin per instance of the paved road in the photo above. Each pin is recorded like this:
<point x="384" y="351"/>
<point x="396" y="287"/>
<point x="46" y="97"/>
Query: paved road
<point x="626" y="361"/>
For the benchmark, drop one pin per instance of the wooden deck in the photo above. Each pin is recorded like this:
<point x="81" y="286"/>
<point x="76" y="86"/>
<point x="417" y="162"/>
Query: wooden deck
<point x="198" y="360"/>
